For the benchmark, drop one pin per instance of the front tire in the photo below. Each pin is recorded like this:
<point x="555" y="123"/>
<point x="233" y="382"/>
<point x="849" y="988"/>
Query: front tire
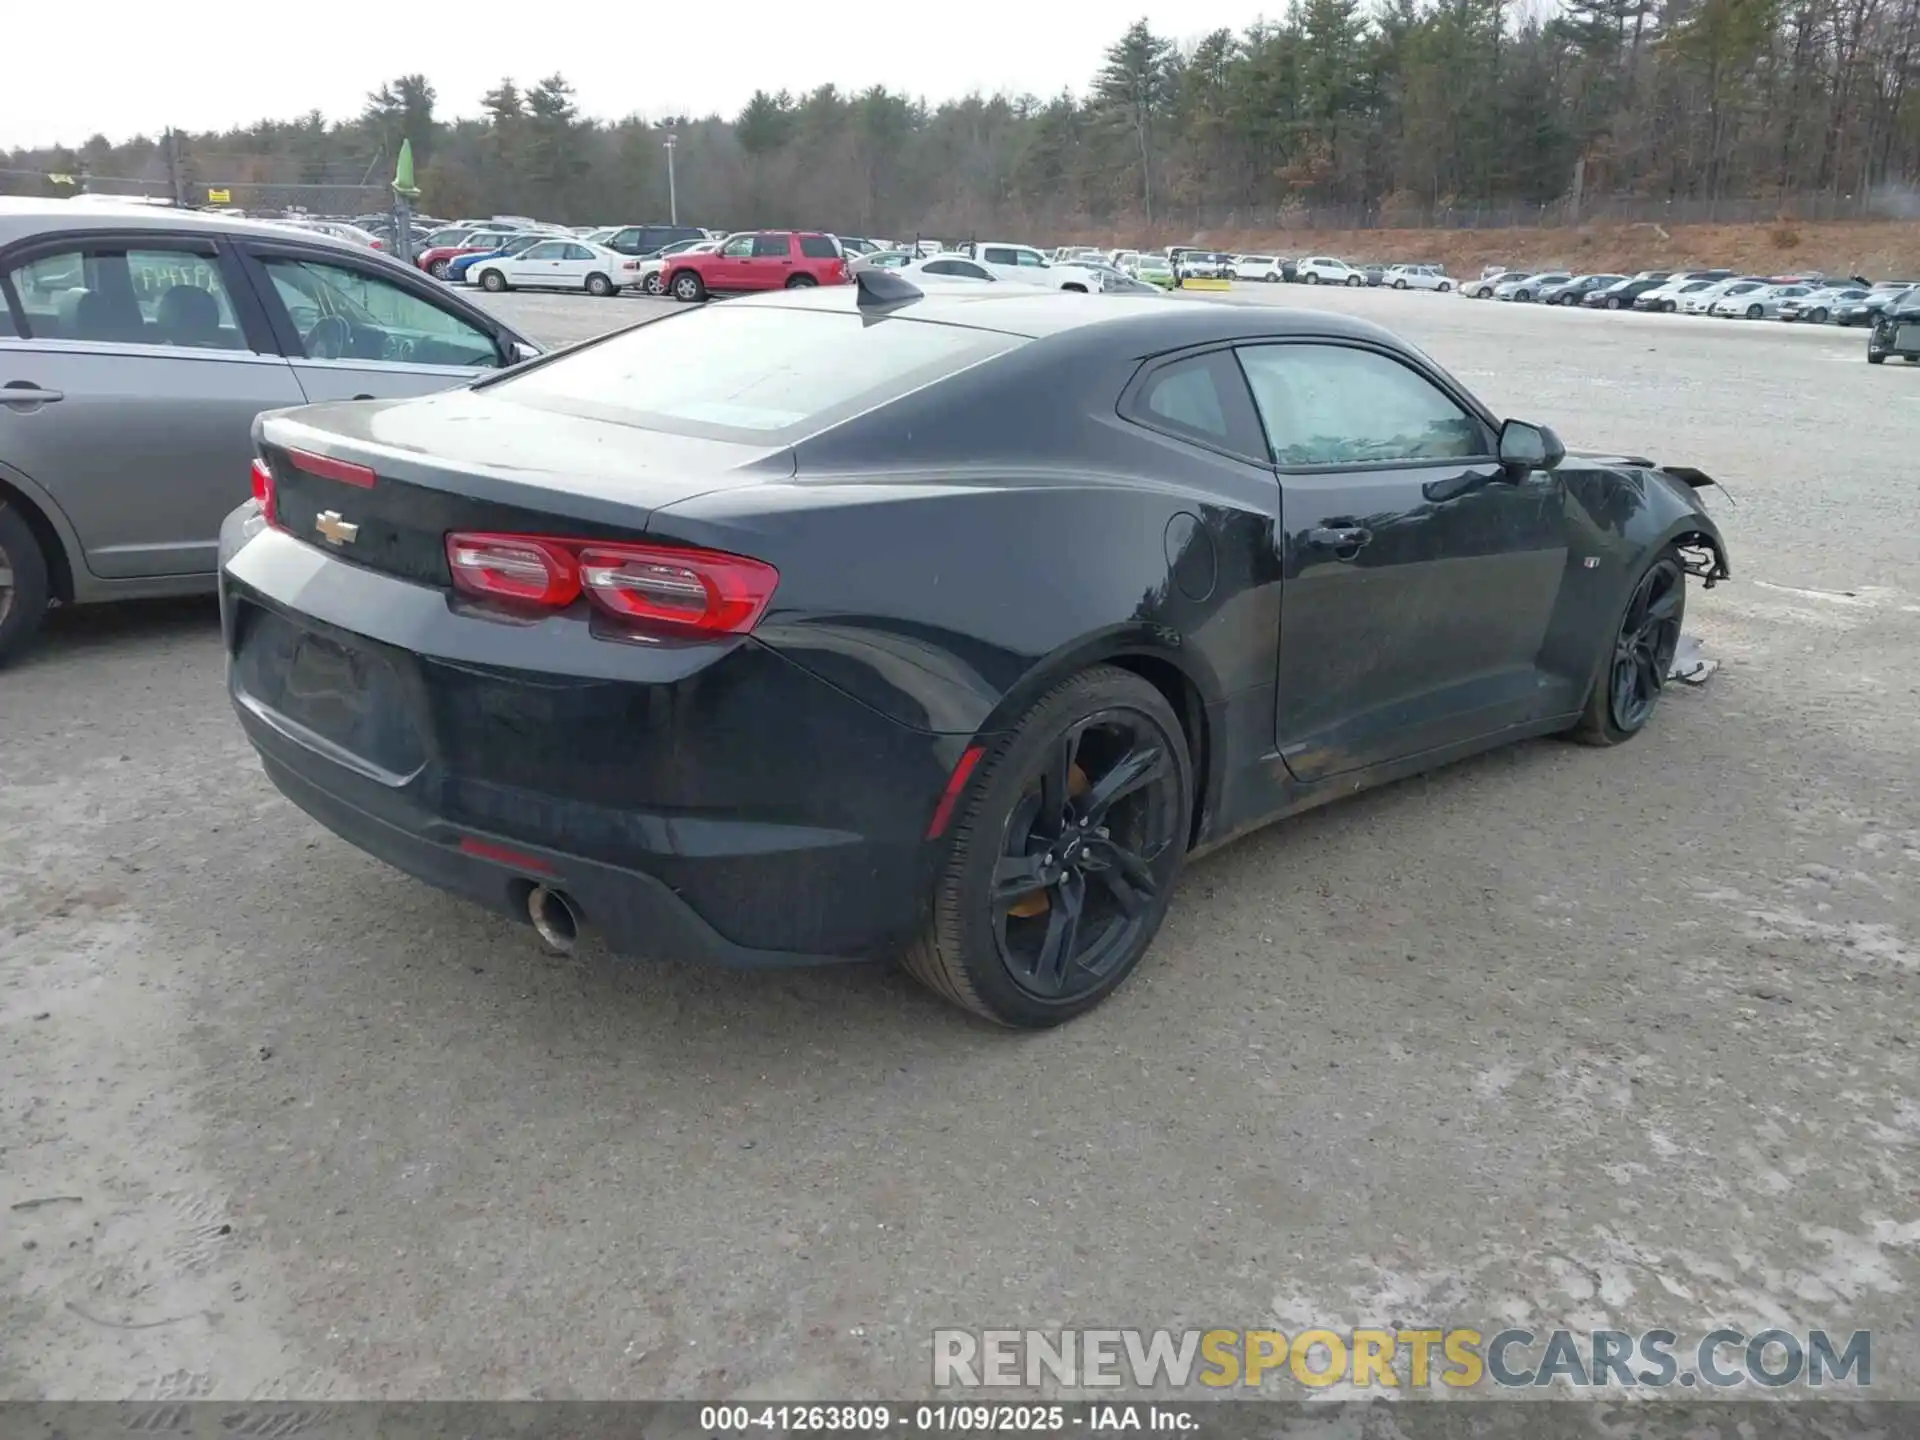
<point x="689" y="287"/>
<point x="1399" y="284"/>
<point x="1633" y="669"/>
<point x="1061" y="863"/>
<point x="1754" y="312"/>
<point x="1876" y="357"/>
<point x="493" y="282"/>
<point x="23" y="584"/>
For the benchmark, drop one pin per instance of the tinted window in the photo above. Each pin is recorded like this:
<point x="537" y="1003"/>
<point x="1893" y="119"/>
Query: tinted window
<point x="346" y="314"/>
<point x="998" y="255"/>
<point x="757" y="376"/>
<point x="819" y="247"/>
<point x="1332" y="405"/>
<point x="956" y="267"/>
<point x="1185" y="396"/>
<point x="772" y="246"/>
<point x="152" y="295"/>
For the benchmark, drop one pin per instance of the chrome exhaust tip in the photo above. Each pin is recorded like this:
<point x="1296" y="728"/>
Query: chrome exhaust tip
<point x="554" y="919"/>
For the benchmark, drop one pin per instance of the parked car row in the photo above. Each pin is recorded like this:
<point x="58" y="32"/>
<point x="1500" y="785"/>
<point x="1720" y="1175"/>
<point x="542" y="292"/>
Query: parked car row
<point x="1809" y="299"/>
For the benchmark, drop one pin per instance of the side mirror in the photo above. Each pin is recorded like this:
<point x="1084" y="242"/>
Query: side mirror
<point x="523" y="351"/>
<point x="1525" y="448"/>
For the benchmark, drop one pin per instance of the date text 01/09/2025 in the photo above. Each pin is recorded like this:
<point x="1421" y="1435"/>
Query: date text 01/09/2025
<point x="1048" y="1419"/>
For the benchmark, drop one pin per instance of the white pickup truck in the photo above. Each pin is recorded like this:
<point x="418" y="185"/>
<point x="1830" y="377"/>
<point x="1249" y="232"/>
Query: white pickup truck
<point x="1025" y="265"/>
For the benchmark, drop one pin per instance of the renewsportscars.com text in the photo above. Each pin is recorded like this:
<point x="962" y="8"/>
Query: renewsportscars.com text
<point x="1402" y="1359"/>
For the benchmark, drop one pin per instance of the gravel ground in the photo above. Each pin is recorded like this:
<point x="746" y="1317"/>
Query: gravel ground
<point x="1554" y="1036"/>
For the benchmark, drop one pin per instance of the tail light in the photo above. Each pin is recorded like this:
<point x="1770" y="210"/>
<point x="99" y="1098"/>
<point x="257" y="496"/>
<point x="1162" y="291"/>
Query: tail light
<point x="514" y="567"/>
<point x="664" y="587"/>
<point x="263" y="491"/>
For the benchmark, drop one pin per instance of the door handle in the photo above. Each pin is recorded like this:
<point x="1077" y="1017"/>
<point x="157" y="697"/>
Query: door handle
<point x="1339" y="537"/>
<point x="25" y="392"/>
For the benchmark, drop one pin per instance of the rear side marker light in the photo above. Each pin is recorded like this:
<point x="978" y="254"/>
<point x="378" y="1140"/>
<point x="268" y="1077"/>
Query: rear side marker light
<point x="650" y="587"/>
<point x="328" y="468"/>
<point x="956" y="783"/>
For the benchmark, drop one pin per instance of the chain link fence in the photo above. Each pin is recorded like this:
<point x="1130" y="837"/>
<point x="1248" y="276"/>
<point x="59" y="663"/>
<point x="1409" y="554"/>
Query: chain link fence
<point x="1887" y="203"/>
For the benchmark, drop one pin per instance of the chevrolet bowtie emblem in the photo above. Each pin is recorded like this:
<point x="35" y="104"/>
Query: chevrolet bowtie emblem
<point x="336" y="530"/>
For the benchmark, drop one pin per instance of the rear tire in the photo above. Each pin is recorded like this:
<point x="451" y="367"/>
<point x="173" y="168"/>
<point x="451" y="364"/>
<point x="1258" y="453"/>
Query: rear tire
<point x="688" y="287"/>
<point x="801" y="282"/>
<point x="23" y="583"/>
<point x="1354" y="281"/>
<point x="987" y="949"/>
<point x="599" y="285"/>
<point x="1636" y="654"/>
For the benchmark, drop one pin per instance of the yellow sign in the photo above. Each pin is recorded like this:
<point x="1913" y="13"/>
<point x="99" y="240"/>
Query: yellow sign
<point x="1199" y="282"/>
<point x="219" y="197"/>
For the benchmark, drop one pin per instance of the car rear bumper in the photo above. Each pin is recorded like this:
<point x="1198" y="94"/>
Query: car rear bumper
<point x="733" y="810"/>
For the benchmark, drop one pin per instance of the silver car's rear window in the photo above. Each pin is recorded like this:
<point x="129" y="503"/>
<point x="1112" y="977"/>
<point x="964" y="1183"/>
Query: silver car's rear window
<point x="751" y="373"/>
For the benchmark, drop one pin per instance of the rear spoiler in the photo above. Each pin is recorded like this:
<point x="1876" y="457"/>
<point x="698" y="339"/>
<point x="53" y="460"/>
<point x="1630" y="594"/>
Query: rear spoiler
<point x="1695" y="478"/>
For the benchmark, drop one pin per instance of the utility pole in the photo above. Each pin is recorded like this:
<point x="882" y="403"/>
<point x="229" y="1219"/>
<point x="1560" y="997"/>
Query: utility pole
<point x="173" y="169"/>
<point x="673" y="195"/>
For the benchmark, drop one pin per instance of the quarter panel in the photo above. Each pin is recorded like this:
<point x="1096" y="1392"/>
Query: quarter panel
<point x="944" y="604"/>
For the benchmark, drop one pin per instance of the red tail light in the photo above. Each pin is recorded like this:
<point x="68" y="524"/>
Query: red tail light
<point x="263" y="490"/>
<point x="666" y="587"/>
<point x="514" y="567"/>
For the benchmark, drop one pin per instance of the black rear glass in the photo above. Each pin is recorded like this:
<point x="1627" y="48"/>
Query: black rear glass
<point x="749" y="373"/>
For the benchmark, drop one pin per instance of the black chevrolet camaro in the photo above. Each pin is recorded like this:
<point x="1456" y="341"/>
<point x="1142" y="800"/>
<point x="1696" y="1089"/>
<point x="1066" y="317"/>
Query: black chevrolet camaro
<point x="864" y="622"/>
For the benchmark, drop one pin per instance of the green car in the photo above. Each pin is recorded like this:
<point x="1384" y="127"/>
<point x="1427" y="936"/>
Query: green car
<point x="1155" y="271"/>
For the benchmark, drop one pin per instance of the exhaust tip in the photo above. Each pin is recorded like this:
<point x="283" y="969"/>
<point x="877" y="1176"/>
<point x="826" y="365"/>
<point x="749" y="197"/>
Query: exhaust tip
<point x="554" y="919"/>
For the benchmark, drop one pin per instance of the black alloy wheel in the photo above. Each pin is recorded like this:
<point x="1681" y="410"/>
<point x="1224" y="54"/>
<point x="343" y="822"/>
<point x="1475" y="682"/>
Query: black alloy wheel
<point x="1059" y="871"/>
<point x="1634" y="671"/>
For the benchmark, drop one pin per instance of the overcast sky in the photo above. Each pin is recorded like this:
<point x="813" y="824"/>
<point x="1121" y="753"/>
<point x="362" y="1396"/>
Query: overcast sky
<point x="217" y="63"/>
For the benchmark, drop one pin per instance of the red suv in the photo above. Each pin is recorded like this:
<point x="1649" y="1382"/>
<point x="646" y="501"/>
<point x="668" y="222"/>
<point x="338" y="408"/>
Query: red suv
<point x="757" y="260"/>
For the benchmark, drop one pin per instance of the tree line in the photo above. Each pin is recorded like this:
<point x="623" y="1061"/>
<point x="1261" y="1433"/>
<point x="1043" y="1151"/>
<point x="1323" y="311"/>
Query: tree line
<point x="1399" y="113"/>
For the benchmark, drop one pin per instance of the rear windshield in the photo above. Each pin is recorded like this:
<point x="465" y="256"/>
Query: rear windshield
<point x="819" y="247"/>
<point x="750" y="374"/>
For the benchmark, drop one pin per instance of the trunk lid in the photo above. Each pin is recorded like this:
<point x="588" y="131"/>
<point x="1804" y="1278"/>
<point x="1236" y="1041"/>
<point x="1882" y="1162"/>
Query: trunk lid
<point x="467" y="460"/>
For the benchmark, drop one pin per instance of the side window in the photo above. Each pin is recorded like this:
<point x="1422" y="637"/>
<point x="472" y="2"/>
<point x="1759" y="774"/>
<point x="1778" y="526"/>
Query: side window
<point x="628" y="239"/>
<point x="738" y="248"/>
<point x="150" y="295"/>
<point x="1031" y="259"/>
<point x="819" y="247"/>
<point x="1334" y="405"/>
<point x="545" y="250"/>
<point x="943" y="267"/>
<point x="579" y="252"/>
<point x="971" y="270"/>
<point x="8" y="330"/>
<point x="347" y="314"/>
<point x="772" y="245"/>
<point x="998" y="255"/>
<point x="1202" y="398"/>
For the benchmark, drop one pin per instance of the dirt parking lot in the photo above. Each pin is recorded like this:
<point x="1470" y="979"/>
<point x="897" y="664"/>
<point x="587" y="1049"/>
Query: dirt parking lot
<point x="1556" y="1036"/>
